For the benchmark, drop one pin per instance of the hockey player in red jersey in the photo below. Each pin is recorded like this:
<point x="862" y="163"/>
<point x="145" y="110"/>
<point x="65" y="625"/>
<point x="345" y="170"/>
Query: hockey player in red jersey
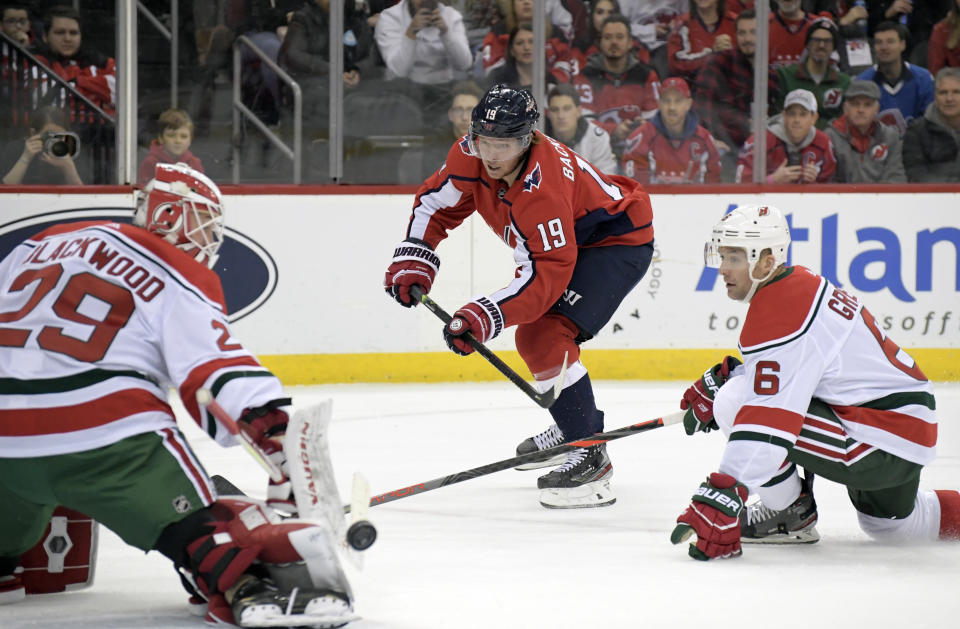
<point x="101" y="320"/>
<point x="821" y="387"/>
<point x="582" y="240"/>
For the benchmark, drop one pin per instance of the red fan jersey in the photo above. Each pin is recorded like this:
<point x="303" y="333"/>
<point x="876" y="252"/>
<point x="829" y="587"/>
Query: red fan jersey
<point x="651" y="156"/>
<point x="818" y="151"/>
<point x="788" y="39"/>
<point x="558" y="205"/>
<point x="690" y="44"/>
<point x="559" y="59"/>
<point x="612" y="98"/>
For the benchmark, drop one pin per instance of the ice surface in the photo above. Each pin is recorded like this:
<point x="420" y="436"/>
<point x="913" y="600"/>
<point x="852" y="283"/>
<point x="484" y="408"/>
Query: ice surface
<point x="484" y="553"/>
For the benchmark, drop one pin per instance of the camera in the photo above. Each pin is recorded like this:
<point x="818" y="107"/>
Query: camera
<point x="429" y="5"/>
<point x="60" y="143"/>
<point x="794" y="158"/>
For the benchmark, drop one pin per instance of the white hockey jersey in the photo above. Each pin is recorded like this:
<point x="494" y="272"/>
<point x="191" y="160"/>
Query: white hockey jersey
<point x="98" y="320"/>
<point x="805" y="338"/>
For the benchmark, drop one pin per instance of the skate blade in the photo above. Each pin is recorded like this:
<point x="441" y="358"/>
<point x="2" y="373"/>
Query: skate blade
<point x="276" y="618"/>
<point x="595" y="494"/>
<point x="535" y="465"/>
<point x="806" y="536"/>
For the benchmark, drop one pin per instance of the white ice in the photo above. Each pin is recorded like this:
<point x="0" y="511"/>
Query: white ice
<point x="484" y="553"/>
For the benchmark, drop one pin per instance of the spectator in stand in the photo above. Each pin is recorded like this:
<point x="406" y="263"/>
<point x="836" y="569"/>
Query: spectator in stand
<point x="418" y="163"/>
<point x="944" y="47"/>
<point x="517" y="69"/>
<point x="696" y="35"/>
<point x="92" y="74"/>
<point x="16" y="23"/>
<point x="36" y="165"/>
<point x="566" y="19"/>
<point x="672" y="147"/>
<point x="565" y="122"/>
<point x="560" y="61"/>
<point x="423" y="41"/>
<point x="616" y="89"/>
<point x="305" y="51"/>
<point x="867" y="150"/>
<point x="818" y="73"/>
<point x="584" y="48"/>
<point x="788" y="32"/>
<point x="725" y="88"/>
<point x="931" y="146"/>
<point x="797" y="152"/>
<point x="904" y="87"/>
<point x="650" y="22"/>
<point x="917" y="16"/>
<point x="171" y="145"/>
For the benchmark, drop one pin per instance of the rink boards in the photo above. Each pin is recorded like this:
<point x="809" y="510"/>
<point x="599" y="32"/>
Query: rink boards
<point x="303" y="276"/>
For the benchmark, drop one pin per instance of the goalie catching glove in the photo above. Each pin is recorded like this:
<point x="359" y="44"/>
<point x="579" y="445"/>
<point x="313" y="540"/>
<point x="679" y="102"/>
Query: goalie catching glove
<point x="414" y="264"/>
<point x="267" y="425"/>
<point x="698" y="399"/>
<point x="481" y="318"/>
<point x="714" y="516"/>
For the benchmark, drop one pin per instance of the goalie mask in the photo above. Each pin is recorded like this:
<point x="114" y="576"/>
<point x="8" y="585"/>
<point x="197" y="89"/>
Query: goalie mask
<point x="183" y="207"/>
<point x="755" y="229"/>
<point x="505" y="118"/>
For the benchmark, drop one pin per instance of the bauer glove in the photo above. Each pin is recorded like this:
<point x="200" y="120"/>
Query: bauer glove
<point x="698" y="399"/>
<point x="714" y="516"/>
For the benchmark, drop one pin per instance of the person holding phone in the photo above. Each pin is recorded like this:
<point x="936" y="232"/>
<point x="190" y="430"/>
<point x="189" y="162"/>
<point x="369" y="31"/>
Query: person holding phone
<point x="424" y="41"/>
<point x="797" y="152"/>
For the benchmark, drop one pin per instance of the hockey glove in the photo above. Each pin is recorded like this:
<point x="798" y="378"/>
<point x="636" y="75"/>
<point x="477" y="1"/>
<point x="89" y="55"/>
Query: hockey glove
<point x="267" y="425"/>
<point x="480" y="318"/>
<point x="713" y="515"/>
<point x="414" y="264"/>
<point x="698" y="399"/>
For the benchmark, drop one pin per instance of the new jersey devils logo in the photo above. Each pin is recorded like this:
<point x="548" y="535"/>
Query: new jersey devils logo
<point x="167" y="218"/>
<point x="832" y="97"/>
<point x="879" y="152"/>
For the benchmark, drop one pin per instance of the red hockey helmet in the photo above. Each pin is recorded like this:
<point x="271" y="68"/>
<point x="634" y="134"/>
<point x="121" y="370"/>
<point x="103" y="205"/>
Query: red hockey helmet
<point x="183" y="207"/>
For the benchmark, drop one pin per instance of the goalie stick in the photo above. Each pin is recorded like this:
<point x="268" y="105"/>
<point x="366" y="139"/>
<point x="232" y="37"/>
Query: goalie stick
<point x="206" y="400"/>
<point x="545" y="399"/>
<point x="490" y="468"/>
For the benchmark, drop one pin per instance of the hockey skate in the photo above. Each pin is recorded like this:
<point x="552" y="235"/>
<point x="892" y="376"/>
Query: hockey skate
<point x="257" y="602"/>
<point x="583" y="480"/>
<point x="794" y="525"/>
<point x="547" y="439"/>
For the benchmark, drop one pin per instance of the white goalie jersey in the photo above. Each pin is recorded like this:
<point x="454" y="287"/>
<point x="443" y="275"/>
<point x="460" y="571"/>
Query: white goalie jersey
<point x="805" y="338"/>
<point x="98" y="321"/>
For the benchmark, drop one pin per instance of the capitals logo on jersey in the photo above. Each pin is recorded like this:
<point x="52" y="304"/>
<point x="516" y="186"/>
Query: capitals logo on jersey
<point x="532" y="180"/>
<point x="879" y="152"/>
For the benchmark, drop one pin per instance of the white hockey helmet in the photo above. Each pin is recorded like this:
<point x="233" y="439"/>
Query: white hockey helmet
<point x="183" y="206"/>
<point x="755" y="229"/>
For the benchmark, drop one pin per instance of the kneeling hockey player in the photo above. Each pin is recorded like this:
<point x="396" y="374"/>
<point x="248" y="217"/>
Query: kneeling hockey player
<point x="821" y="386"/>
<point x="100" y="320"/>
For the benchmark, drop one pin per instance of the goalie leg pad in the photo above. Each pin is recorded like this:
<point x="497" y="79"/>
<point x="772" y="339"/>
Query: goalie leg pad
<point x="64" y="558"/>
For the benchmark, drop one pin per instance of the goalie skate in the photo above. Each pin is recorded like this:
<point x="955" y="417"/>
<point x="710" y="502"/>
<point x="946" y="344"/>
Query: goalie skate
<point x="260" y="603"/>
<point x="582" y="481"/>
<point x="547" y="439"/>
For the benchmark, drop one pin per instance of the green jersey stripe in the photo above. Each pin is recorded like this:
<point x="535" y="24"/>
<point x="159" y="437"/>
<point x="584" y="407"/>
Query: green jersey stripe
<point x="73" y="382"/>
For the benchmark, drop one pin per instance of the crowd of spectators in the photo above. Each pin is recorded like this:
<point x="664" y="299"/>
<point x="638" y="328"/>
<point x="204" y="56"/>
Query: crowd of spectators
<point x="661" y="90"/>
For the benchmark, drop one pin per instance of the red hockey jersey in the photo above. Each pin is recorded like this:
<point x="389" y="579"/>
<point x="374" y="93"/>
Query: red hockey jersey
<point x="612" y="98"/>
<point x="560" y="62"/>
<point x="558" y="205"/>
<point x="95" y="82"/>
<point x="653" y="157"/>
<point x="788" y="39"/>
<point x="690" y="43"/>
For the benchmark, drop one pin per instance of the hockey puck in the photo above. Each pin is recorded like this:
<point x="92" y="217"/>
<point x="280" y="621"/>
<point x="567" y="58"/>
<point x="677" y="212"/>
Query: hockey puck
<point x="361" y="535"/>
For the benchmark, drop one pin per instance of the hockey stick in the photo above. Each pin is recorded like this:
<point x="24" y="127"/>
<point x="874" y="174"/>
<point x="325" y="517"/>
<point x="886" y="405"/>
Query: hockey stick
<point x="545" y="399"/>
<point x="207" y="401"/>
<point x="490" y="468"/>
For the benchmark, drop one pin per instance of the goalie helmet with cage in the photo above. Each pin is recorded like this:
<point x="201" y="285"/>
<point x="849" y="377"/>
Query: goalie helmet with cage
<point x="506" y="114"/>
<point x="755" y="229"/>
<point x="183" y="206"/>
